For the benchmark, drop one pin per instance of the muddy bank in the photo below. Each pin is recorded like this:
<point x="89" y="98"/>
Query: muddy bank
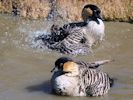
<point x="118" y="10"/>
<point x="26" y="8"/>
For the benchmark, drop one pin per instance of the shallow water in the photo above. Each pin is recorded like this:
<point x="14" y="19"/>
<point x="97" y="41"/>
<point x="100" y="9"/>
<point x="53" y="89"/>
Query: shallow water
<point x="25" y="71"/>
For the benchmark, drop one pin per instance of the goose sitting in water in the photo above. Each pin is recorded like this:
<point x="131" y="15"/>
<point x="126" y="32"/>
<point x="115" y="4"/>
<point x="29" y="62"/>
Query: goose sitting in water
<point x="77" y="38"/>
<point x="79" y="79"/>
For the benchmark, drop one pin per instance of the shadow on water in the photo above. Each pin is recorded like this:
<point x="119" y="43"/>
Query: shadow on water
<point x="42" y="87"/>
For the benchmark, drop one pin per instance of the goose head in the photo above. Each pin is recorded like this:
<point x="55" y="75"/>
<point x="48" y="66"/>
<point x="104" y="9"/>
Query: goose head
<point x="60" y="62"/>
<point x="91" y="12"/>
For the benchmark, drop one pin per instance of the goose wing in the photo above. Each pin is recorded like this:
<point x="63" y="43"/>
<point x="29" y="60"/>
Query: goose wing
<point x="72" y="43"/>
<point x="94" y="65"/>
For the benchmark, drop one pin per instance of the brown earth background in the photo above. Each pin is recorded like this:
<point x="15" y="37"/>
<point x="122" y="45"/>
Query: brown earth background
<point x="112" y="10"/>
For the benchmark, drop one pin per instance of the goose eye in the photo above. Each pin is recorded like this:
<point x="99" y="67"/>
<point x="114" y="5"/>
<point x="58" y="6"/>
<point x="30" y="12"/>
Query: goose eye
<point x="61" y="64"/>
<point x="98" y="11"/>
<point x="95" y="10"/>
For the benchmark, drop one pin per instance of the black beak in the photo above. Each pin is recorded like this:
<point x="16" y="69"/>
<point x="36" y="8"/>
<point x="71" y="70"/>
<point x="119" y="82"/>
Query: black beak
<point x="52" y="69"/>
<point x="97" y="15"/>
<point x="100" y="17"/>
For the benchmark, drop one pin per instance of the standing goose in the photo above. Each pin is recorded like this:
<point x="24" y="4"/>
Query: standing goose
<point x="77" y="38"/>
<point x="73" y="79"/>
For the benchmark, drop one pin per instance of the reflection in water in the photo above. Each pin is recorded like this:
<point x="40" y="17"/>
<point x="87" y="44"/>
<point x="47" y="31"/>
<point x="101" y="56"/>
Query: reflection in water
<point x="43" y="87"/>
<point x="24" y="71"/>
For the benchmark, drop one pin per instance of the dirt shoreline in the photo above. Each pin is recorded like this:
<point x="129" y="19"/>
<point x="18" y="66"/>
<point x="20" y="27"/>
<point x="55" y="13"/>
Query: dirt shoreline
<point x="70" y="10"/>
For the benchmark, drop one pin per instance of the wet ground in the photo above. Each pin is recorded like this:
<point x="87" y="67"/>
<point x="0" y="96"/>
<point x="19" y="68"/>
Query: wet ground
<point x="25" y="71"/>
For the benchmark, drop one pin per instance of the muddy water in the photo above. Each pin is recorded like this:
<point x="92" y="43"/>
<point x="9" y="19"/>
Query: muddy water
<point x="25" y="71"/>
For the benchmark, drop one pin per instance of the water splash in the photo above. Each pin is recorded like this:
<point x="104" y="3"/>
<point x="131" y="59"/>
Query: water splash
<point x="31" y="39"/>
